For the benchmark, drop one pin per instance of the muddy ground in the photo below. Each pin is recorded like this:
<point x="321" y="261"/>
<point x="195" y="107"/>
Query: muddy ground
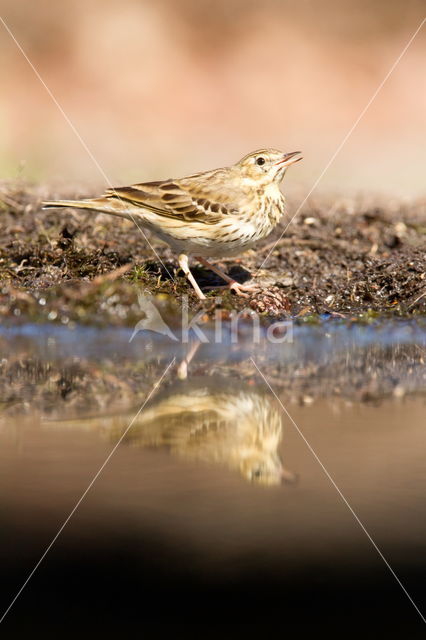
<point x="70" y="387"/>
<point x="350" y="257"/>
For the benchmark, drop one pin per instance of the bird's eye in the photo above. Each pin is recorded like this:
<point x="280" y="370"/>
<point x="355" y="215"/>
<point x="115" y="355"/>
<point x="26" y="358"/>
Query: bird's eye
<point x="256" y="473"/>
<point x="260" y="160"/>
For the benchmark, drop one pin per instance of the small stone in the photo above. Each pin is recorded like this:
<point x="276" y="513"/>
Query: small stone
<point x="400" y="228"/>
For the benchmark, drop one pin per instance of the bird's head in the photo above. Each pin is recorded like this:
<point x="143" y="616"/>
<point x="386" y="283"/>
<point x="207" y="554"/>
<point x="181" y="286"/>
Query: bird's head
<point x="266" y="469"/>
<point x="266" y="166"/>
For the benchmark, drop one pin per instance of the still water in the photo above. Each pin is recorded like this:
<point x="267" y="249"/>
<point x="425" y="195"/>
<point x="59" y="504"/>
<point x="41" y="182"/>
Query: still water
<point x="240" y="485"/>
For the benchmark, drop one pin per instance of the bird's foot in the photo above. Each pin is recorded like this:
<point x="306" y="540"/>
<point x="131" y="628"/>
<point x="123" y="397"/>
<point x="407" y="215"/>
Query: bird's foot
<point x="243" y="289"/>
<point x="239" y="289"/>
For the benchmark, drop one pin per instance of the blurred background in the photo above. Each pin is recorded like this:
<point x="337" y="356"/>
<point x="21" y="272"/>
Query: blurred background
<point x="168" y="87"/>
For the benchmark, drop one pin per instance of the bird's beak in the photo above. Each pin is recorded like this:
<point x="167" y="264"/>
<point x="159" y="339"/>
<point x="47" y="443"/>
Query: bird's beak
<point x="288" y="477"/>
<point x="289" y="158"/>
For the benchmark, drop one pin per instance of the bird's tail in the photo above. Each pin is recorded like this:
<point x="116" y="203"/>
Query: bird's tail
<point x="112" y="206"/>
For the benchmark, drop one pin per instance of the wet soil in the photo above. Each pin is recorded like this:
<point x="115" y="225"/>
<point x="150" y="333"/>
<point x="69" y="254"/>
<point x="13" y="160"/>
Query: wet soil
<point x="353" y="257"/>
<point x="66" y="374"/>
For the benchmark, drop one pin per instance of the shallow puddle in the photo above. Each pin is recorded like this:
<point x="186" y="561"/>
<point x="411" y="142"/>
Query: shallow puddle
<point x="235" y="479"/>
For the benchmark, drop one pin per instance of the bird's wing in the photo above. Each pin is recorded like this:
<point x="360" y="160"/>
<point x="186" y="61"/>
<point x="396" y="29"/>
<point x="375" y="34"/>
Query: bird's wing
<point x="202" y="198"/>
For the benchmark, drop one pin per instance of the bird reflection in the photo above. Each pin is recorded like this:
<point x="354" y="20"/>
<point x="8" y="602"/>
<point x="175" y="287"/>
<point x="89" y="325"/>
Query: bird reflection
<point x="218" y="422"/>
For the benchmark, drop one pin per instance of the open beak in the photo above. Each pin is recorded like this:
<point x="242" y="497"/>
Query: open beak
<point x="289" y="158"/>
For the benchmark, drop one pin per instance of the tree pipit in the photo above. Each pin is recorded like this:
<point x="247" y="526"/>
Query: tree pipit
<point x="217" y="213"/>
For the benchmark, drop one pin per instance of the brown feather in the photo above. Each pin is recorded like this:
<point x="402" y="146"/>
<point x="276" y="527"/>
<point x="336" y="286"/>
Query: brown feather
<point x="187" y="199"/>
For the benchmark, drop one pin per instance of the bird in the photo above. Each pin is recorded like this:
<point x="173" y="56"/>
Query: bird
<point x="205" y="419"/>
<point x="218" y="213"/>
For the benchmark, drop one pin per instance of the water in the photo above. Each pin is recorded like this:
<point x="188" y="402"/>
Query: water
<point x="219" y="501"/>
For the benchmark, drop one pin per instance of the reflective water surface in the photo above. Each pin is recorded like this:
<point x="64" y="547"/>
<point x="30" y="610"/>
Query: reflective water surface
<point x="218" y="503"/>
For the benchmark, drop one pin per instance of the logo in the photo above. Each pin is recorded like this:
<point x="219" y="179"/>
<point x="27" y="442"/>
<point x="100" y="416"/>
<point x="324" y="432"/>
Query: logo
<point x="232" y="328"/>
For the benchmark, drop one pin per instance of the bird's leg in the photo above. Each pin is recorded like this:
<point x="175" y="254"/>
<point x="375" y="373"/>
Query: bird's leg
<point x="183" y="263"/>
<point x="182" y="371"/>
<point x="232" y="284"/>
<point x="219" y="272"/>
